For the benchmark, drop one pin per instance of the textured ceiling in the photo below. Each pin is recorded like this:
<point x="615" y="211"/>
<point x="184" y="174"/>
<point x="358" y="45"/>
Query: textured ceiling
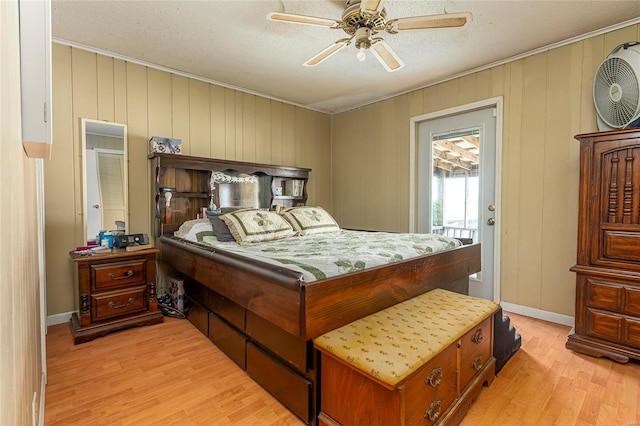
<point x="231" y="42"/>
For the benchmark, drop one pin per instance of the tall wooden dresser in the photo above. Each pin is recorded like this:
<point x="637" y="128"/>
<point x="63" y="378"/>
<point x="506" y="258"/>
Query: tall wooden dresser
<point x="607" y="317"/>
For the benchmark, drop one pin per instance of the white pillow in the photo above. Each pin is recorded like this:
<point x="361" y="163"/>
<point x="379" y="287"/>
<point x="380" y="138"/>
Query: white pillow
<point x="195" y="230"/>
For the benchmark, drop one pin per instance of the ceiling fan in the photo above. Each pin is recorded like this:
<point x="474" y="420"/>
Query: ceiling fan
<point x="362" y="20"/>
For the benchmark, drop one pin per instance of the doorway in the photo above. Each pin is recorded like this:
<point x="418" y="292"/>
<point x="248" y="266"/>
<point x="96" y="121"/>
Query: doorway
<point x="456" y="173"/>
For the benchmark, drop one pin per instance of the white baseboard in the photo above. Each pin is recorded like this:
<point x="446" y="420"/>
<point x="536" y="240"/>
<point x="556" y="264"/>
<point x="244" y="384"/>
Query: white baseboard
<point x="59" y="318"/>
<point x="538" y="313"/>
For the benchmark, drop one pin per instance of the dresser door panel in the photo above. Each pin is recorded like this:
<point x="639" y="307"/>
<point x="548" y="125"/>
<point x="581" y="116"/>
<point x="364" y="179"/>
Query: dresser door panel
<point x="617" y="220"/>
<point x="623" y="246"/>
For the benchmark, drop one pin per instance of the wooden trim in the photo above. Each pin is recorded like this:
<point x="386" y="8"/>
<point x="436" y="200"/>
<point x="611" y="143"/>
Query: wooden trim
<point x="37" y="149"/>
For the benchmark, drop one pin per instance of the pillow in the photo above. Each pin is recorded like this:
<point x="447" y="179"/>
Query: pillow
<point x="220" y="229"/>
<point x="195" y="230"/>
<point x="310" y="220"/>
<point x="252" y="226"/>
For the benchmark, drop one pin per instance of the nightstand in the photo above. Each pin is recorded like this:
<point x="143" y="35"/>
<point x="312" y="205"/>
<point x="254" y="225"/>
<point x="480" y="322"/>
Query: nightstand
<point x="115" y="289"/>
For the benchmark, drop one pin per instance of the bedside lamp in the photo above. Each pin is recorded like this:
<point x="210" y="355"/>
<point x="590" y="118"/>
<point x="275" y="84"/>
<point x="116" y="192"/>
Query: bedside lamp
<point x="168" y="194"/>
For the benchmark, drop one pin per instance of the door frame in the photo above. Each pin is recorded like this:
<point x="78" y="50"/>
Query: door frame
<point x="498" y="104"/>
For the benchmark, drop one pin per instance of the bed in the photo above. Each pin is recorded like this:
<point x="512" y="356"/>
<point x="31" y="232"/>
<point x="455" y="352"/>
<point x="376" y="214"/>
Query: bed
<point x="308" y="308"/>
<point x="263" y="314"/>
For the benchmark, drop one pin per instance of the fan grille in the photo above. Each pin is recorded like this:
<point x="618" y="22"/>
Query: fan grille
<point x="616" y="92"/>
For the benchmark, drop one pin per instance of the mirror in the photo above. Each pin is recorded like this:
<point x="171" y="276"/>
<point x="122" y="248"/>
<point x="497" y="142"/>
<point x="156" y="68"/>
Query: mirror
<point x="104" y="175"/>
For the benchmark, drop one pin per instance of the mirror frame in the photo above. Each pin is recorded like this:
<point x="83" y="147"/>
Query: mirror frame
<point x="84" y="123"/>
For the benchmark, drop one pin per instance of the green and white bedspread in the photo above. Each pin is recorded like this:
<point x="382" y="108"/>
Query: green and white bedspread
<point x="326" y="255"/>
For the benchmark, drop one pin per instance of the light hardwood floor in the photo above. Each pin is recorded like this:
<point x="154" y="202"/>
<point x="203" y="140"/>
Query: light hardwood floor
<point x="171" y="374"/>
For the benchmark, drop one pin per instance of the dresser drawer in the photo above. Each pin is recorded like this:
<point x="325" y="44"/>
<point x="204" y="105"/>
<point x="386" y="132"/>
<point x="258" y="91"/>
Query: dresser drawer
<point x="621" y="329"/>
<point x="612" y="295"/>
<point x="108" y="276"/>
<point x="605" y="325"/>
<point x="432" y="390"/>
<point x="475" y="351"/>
<point x="116" y="303"/>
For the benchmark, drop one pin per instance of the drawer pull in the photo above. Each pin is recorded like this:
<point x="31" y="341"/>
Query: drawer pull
<point x="433" y="412"/>
<point x="435" y="377"/>
<point x="114" y="306"/>
<point x="129" y="274"/>
<point x="477" y="362"/>
<point x="477" y="336"/>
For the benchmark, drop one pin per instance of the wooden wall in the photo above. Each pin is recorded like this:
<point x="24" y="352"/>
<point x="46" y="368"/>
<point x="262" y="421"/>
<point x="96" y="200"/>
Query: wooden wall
<point x="20" y="317"/>
<point x="211" y="120"/>
<point x="547" y="100"/>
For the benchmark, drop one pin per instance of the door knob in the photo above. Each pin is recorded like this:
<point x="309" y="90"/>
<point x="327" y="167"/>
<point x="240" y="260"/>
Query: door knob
<point x="491" y="221"/>
<point x="96" y="206"/>
<point x="491" y="208"/>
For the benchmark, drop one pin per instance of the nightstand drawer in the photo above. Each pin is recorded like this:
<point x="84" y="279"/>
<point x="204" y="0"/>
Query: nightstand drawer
<point x="109" y="276"/>
<point x="117" y="303"/>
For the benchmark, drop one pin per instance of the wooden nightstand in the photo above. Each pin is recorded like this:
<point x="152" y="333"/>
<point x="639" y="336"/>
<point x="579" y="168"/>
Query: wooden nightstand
<point x="116" y="289"/>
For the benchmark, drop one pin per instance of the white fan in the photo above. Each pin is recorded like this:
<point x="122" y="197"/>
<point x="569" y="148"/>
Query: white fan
<point x="616" y="91"/>
<point x="362" y="20"/>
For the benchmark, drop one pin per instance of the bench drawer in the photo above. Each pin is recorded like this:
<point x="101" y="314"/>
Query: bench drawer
<point x="475" y="351"/>
<point x="433" y="388"/>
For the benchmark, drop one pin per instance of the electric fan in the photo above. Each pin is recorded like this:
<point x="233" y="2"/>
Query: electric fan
<point x="616" y="91"/>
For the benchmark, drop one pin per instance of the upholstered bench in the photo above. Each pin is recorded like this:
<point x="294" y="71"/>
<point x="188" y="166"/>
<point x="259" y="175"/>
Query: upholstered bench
<point x="422" y="361"/>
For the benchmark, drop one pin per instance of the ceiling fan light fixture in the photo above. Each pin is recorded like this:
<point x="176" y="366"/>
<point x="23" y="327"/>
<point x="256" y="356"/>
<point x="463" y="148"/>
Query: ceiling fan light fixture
<point x="363" y="19"/>
<point x="362" y="54"/>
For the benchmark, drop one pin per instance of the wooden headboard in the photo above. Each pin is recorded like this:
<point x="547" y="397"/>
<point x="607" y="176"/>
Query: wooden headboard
<point x="188" y="181"/>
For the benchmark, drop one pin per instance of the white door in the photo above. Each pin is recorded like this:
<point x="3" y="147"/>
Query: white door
<point x="457" y="185"/>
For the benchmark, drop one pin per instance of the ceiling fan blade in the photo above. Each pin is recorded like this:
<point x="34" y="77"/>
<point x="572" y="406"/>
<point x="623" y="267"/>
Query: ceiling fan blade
<point x="301" y="19"/>
<point x="447" y="20"/>
<point x="371" y="6"/>
<point x="385" y="54"/>
<point x="326" y="53"/>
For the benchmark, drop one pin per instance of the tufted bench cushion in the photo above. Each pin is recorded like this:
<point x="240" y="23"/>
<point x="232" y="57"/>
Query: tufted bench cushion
<point x="393" y="343"/>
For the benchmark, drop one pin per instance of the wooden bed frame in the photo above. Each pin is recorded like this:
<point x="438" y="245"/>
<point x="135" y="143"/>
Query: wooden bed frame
<point x="264" y="316"/>
<point x="307" y="310"/>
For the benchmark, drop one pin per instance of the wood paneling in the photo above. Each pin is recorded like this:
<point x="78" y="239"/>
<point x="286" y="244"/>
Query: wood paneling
<point x="20" y="319"/>
<point x="106" y="109"/>
<point x="199" y="119"/>
<point x="547" y="99"/>
<point x="137" y="149"/>
<point x="211" y="121"/>
<point x="61" y="201"/>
